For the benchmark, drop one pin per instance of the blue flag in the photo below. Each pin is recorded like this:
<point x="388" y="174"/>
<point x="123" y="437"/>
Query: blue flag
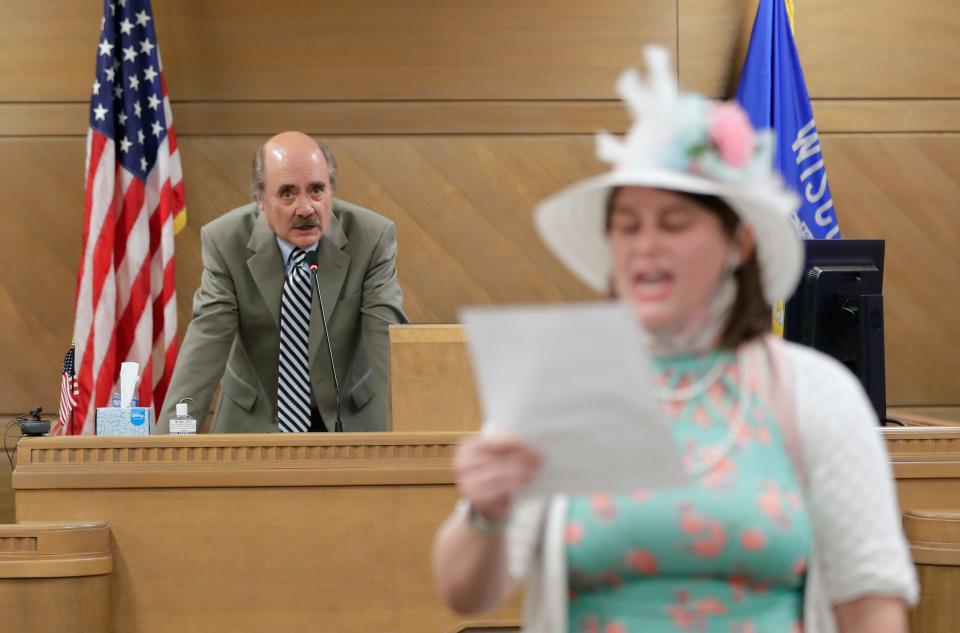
<point x="773" y="92"/>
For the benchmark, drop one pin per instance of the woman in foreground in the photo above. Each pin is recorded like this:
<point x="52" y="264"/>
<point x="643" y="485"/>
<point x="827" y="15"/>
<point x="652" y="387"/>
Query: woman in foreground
<point x="790" y="522"/>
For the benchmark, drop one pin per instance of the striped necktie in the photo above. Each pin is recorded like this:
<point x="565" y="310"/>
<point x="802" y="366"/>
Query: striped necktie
<point x="293" y="387"/>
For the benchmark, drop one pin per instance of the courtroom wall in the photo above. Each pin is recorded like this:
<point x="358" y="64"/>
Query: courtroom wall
<point x="453" y="119"/>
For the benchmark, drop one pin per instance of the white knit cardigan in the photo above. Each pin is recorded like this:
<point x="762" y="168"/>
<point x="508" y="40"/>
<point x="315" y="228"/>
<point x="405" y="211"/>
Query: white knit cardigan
<point x="858" y="543"/>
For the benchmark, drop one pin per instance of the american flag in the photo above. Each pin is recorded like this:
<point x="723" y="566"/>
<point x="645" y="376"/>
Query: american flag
<point x="68" y="390"/>
<point x="126" y="302"/>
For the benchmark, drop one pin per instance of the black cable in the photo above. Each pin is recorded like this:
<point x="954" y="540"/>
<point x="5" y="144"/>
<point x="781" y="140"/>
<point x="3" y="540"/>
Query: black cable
<point x="6" y="434"/>
<point x="33" y="414"/>
<point x="893" y="421"/>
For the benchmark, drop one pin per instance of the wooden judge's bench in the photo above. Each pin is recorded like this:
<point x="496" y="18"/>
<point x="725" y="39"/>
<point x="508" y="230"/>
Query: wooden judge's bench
<point x="320" y="532"/>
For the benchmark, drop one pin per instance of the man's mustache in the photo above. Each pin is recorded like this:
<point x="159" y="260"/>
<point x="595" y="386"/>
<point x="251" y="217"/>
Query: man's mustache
<point x="305" y="221"/>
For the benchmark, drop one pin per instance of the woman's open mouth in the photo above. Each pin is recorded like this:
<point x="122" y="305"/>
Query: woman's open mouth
<point x="652" y="286"/>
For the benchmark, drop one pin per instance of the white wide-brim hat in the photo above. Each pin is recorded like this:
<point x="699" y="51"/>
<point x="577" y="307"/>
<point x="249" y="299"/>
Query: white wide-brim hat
<point x="572" y="222"/>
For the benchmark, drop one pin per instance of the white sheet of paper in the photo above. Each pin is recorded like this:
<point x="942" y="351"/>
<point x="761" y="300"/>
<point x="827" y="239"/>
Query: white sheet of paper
<point x="576" y="382"/>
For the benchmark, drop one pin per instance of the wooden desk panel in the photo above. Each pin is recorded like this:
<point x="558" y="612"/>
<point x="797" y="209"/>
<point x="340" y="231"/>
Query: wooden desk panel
<point x="248" y="533"/>
<point x="926" y="416"/>
<point x="55" y="578"/>
<point x="431" y="380"/>
<point x="935" y="543"/>
<point x="926" y="465"/>
<point x="252" y="533"/>
<point x="6" y="492"/>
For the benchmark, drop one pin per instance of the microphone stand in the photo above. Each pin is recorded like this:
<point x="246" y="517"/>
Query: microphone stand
<point x="312" y="266"/>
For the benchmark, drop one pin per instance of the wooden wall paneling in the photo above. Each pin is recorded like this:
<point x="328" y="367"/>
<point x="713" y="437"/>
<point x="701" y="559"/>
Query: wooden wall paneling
<point x="42" y="214"/>
<point x="450" y="135"/>
<point x="861" y="49"/>
<point x="462" y="206"/>
<point x="44" y="119"/>
<point x="880" y="48"/>
<point x="366" y="49"/>
<point x="887" y="116"/>
<point x="48" y="50"/>
<point x="403" y="118"/>
<point x="712" y="38"/>
<point x="424" y="50"/>
<point x="441" y="50"/>
<point x="906" y="190"/>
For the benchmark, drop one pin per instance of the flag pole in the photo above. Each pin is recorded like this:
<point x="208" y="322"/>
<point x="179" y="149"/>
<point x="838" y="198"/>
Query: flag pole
<point x="780" y="306"/>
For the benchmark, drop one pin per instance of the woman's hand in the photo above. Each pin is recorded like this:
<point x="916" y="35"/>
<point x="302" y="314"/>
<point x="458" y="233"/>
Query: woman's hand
<point x="470" y="566"/>
<point x="490" y="471"/>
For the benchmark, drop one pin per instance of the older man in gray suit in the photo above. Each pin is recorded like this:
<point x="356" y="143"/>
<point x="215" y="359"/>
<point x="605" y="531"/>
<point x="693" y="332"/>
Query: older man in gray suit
<point x="256" y="325"/>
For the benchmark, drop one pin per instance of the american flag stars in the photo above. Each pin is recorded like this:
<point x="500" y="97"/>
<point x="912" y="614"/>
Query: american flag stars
<point x="127" y="90"/>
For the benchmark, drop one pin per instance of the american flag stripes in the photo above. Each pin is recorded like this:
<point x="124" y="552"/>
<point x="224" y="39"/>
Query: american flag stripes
<point x="68" y="390"/>
<point x="126" y="302"/>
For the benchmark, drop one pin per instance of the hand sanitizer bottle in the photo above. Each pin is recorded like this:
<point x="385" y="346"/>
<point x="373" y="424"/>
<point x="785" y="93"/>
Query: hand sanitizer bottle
<point x="183" y="424"/>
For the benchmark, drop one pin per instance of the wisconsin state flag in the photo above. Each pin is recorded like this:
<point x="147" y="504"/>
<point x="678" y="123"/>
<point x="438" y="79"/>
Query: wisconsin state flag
<point x="773" y="92"/>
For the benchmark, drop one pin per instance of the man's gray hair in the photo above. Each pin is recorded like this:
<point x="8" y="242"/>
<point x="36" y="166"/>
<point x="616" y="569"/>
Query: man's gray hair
<point x="257" y="184"/>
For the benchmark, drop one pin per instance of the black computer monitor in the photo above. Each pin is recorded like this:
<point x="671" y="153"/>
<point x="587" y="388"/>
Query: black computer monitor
<point x="838" y="309"/>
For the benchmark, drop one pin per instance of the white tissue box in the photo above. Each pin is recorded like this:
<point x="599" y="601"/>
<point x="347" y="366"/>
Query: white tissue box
<point x="130" y="421"/>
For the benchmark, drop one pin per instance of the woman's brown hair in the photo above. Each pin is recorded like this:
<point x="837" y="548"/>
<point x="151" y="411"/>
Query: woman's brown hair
<point x="750" y="315"/>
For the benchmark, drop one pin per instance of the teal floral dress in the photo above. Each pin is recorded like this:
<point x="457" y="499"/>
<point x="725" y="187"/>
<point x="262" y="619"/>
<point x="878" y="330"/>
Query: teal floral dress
<point x="726" y="553"/>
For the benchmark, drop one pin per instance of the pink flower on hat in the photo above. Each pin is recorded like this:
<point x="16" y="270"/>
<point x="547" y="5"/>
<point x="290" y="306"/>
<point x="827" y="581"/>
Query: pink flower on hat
<point x="731" y="132"/>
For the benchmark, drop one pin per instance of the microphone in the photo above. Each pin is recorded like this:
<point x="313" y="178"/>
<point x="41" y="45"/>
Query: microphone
<point x="311" y="261"/>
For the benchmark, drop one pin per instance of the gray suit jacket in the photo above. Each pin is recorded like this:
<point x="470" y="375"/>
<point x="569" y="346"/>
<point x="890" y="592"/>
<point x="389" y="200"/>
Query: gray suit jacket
<point x="234" y="337"/>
